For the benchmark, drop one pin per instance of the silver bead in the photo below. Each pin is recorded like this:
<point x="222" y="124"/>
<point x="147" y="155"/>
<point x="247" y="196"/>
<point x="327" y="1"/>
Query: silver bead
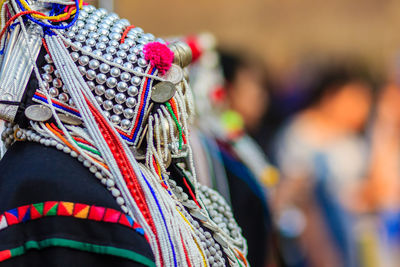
<point x="118" y="109"/>
<point x="122" y="86"/>
<point x="149" y="36"/>
<point x="108" y="105"/>
<point x="114" y="43"/>
<point x="142" y="62"/>
<point x="108" y="57"/>
<point x="115" y="72"/>
<point x="83" y="14"/>
<point x="130" y="42"/>
<point x="103" y="39"/>
<point x="53" y="92"/>
<point x="99" y="100"/>
<point x="90" y="27"/>
<point x="48" y="59"/>
<point x="104" y="68"/>
<point x="74" y="56"/>
<point x="124" y="46"/>
<point x="136" y="80"/>
<point x="129" y="113"/>
<point x="110" y="93"/>
<point x="112" y="82"/>
<point x="71" y="103"/>
<point x="91" y="42"/>
<point x="57" y="83"/>
<point x="93" y="34"/>
<point x="128" y="65"/>
<point x="47" y="77"/>
<point x="125" y="76"/>
<point x="121" y="54"/>
<point x="100" y="90"/>
<point x="125" y="124"/>
<point x="76" y="46"/>
<point x="138" y="69"/>
<point x="80" y="38"/>
<point x="131" y="102"/>
<point x="82" y="70"/>
<point x="101" y="78"/>
<point x="94" y="64"/>
<point x="132" y="58"/>
<point x="120" y="98"/>
<point x="101" y="46"/>
<point x="115" y="36"/>
<point x="107" y="114"/>
<point x="115" y="119"/>
<point x="74" y="28"/>
<point x="133" y="91"/>
<point x="103" y="32"/>
<point x="57" y="73"/>
<point x="48" y="68"/>
<point x="83" y="32"/>
<point x="116" y="29"/>
<point x="91" y="21"/>
<point x="97" y="53"/>
<point x="142" y="41"/>
<point x="83" y="60"/>
<point x="118" y="60"/>
<point x="70" y="34"/>
<point x="87" y="48"/>
<point x="91" y="75"/>
<point x="63" y="97"/>
<point x="111" y="50"/>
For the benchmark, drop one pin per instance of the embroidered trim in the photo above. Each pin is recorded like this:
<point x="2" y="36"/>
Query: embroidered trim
<point x="66" y="243"/>
<point x="67" y="209"/>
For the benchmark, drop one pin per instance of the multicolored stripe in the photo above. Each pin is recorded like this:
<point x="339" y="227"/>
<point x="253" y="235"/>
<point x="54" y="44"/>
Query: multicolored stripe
<point x="141" y="110"/>
<point x="77" y="245"/>
<point x="67" y="209"/>
<point x="41" y="98"/>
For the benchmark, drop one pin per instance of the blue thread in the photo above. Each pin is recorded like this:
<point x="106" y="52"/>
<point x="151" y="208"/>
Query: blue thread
<point x="57" y="106"/>
<point x="162" y="215"/>
<point x="52" y="26"/>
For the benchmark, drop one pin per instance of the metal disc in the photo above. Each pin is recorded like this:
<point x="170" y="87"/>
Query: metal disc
<point x="69" y="119"/>
<point x="162" y="92"/>
<point x="174" y="74"/>
<point x="38" y="113"/>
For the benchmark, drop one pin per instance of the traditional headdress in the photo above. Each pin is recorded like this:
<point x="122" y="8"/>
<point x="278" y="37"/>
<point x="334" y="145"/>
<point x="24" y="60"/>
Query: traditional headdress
<point x="88" y="83"/>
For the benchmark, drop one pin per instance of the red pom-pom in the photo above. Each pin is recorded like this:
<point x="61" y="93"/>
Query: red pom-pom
<point x="195" y="46"/>
<point x="159" y="56"/>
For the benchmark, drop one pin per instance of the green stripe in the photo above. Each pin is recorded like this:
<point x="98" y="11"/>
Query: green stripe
<point x="177" y="124"/>
<point x="88" y="148"/>
<point x="60" y="242"/>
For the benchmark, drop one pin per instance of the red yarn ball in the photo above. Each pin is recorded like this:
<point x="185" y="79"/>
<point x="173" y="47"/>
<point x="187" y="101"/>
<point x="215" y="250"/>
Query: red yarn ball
<point x="159" y="55"/>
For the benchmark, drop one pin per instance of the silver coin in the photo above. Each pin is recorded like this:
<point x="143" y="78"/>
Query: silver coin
<point x="162" y="92"/>
<point x="69" y="119"/>
<point x="174" y="74"/>
<point x="38" y="113"/>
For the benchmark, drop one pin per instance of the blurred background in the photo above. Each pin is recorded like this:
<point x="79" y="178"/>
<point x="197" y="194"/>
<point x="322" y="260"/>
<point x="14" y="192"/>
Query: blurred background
<point x="316" y="85"/>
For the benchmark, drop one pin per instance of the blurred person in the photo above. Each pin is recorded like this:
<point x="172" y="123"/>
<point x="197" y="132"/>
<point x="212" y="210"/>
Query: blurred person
<point x="323" y="159"/>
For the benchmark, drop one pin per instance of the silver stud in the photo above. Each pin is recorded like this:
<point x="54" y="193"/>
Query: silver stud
<point x="115" y="72"/>
<point x="103" y="32"/>
<point x="122" y="86"/>
<point x="47" y="77"/>
<point x="112" y="82"/>
<point x="108" y="105"/>
<point x="108" y="57"/>
<point x="48" y="68"/>
<point x="91" y="21"/>
<point x="114" y="43"/>
<point x="83" y="32"/>
<point x="130" y="42"/>
<point x="70" y="34"/>
<point x="100" y="90"/>
<point x="132" y="58"/>
<point x="115" y="119"/>
<point x="129" y="113"/>
<point x="80" y="24"/>
<point x="133" y="91"/>
<point x="101" y="78"/>
<point x="80" y="38"/>
<point x="128" y="65"/>
<point x="121" y="54"/>
<point x="93" y="34"/>
<point x="110" y="94"/>
<point x="91" y="85"/>
<point x="138" y="70"/>
<point x="87" y="48"/>
<point x="74" y="56"/>
<point x="71" y="103"/>
<point x="48" y="59"/>
<point x="97" y="53"/>
<point x="124" y="46"/>
<point x="103" y="39"/>
<point x="53" y="92"/>
<point x="131" y="102"/>
<point x="83" y="60"/>
<point x="118" y="109"/>
<point x="142" y="62"/>
<point x="118" y="61"/>
<point x="63" y="97"/>
<point x="111" y="50"/>
<point x="120" y="98"/>
<point x="90" y="27"/>
<point x="136" y="80"/>
<point x="57" y="83"/>
<point x="94" y="64"/>
<point x="101" y="46"/>
<point x="104" y="68"/>
<point x="91" y="42"/>
<point x="125" y="124"/>
<point x="99" y="100"/>
<point x="91" y="75"/>
<point x="57" y="73"/>
<point x="125" y="76"/>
